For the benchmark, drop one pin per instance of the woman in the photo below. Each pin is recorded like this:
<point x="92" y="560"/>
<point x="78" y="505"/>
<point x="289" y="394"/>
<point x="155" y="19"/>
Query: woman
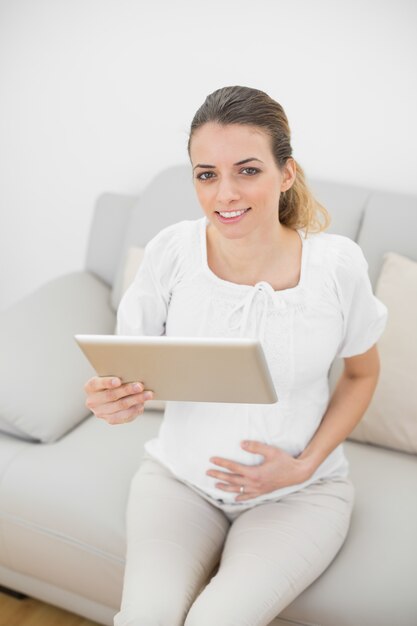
<point x="264" y="489"/>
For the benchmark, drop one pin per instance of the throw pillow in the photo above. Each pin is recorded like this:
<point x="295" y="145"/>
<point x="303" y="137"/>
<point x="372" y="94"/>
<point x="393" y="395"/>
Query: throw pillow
<point x="391" y="418"/>
<point x="126" y="273"/>
<point x="134" y="258"/>
<point x="42" y="390"/>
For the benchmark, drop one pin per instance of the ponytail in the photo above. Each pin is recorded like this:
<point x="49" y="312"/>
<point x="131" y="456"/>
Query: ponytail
<point x="299" y="209"/>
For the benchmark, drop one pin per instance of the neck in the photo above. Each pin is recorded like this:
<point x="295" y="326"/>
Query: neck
<point x="252" y="253"/>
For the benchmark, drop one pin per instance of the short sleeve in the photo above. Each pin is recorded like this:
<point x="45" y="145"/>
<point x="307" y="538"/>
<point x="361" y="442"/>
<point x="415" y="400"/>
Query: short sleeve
<point x="364" y="315"/>
<point x="143" y="308"/>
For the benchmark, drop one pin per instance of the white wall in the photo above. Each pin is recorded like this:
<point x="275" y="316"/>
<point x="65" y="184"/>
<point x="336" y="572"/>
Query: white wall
<point x="98" y="95"/>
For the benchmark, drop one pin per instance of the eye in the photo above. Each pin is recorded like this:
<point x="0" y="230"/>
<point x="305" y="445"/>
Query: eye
<point x="205" y="175"/>
<point x="250" y="171"/>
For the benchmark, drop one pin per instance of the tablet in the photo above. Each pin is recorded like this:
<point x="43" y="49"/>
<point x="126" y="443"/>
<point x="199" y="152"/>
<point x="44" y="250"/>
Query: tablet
<point x="189" y="369"/>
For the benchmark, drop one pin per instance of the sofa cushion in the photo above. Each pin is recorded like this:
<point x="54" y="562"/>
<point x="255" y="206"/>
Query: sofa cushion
<point x="344" y="202"/>
<point x="62" y="505"/>
<point x="391" y="418"/>
<point x="42" y="391"/>
<point x="10" y="449"/>
<point x="107" y="233"/>
<point x="126" y="273"/>
<point x="389" y="224"/>
<point x="372" y="579"/>
<point x="58" y="507"/>
<point x="169" y="198"/>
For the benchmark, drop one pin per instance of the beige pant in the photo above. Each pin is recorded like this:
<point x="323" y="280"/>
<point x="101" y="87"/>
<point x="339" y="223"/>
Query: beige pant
<point x="269" y="553"/>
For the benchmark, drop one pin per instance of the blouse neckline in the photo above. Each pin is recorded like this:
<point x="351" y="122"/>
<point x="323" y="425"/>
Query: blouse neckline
<point x="243" y="287"/>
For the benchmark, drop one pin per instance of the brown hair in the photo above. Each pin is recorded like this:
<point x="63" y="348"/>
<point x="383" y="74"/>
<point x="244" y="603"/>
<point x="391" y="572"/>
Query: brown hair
<point x="243" y="105"/>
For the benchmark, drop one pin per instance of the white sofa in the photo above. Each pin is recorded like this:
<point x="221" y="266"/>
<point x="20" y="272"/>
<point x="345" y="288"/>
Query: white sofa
<point x="64" y="475"/>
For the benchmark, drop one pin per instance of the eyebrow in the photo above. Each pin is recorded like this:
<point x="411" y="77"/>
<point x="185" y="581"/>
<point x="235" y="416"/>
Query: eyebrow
<point x="238" y="163"/>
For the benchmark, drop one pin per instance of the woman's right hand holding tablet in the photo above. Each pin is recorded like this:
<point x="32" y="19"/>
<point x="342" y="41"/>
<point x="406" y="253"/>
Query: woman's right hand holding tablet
<point x="113" y="401"/>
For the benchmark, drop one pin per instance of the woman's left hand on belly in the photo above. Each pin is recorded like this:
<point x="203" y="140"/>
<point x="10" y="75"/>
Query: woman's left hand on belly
<point x="278" y="470"/>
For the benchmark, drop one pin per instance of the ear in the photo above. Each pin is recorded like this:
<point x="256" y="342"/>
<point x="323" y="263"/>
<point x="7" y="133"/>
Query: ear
<point x="289" y="173"/>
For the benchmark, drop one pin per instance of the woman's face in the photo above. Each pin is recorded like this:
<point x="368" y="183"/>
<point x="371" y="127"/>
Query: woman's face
<point x="237" y="181"/>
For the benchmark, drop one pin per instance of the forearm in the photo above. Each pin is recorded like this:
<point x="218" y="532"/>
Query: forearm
<point x="347" y="405"/>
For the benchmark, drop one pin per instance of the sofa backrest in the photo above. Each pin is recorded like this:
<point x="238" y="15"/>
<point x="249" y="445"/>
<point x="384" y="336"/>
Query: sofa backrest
<point x="389" y="225"/>
<point x="380" y="222"/>
<point x="107" y="232"/>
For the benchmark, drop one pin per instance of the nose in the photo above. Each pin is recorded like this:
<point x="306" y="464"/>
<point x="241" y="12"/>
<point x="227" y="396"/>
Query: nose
<point x="227" y="191"/>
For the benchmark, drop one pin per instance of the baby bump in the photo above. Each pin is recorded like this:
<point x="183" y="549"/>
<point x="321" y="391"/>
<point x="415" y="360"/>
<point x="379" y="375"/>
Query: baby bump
<point x="192" y="433"/>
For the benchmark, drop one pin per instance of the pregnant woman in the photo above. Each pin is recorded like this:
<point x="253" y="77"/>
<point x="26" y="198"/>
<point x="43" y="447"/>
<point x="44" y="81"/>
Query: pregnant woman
<point x="237" y="508"/>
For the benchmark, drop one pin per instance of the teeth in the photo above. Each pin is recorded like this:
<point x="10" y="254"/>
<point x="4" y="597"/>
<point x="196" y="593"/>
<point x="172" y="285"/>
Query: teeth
<point x="232" y="213"/>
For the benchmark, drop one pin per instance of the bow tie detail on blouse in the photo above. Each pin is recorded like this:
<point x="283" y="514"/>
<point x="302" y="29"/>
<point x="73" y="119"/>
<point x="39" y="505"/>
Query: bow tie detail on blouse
<point x="260" y="290"/>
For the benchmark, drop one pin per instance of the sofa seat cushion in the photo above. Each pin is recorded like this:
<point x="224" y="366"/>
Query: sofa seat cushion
<point x="373" y="578"/>
<point x="62" y="505"/>
<point x="62" y="516"/>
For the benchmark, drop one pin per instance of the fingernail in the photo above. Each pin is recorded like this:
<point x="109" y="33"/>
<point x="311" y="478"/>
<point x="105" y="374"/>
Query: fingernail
<point x="148" y="395"/>
<point x="137" y="387"/>
<point x="114" y="382"/>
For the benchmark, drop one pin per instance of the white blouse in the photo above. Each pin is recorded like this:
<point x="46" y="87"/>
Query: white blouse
<point x="332" y="312"/>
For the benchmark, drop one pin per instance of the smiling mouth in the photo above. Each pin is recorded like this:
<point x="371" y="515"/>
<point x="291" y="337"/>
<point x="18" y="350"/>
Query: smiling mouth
<point x="230" y="214"/>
